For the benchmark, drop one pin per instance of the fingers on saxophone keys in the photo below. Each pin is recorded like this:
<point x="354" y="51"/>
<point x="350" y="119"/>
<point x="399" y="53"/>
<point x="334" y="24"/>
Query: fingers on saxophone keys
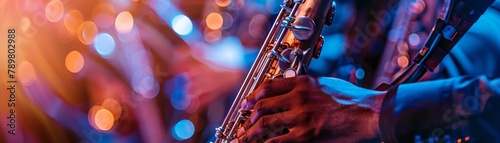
<point x="270" y="88"/>
<point x="269" y="106"/>
<point x="266" y="125"/>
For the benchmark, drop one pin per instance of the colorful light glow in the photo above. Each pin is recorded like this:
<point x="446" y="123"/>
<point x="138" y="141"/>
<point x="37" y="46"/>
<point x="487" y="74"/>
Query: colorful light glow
<point x="72" y="21"/>
<point x="54" y="11"/>
<point x="124" y="22"/>
<point x="223" y="3"/>
<point x="113" y="106"/>
<point x="214" y="21"/>
<point x="87" y="32"/>
<point x="227" y="20"/>
<point x="104" y="119"/>
<point x="414" y="39"/>
<point x="182" y="25"/>
<point x="176" y="89"/>
<point x="144" y="83"/>
<point x="360" y="73"/>
<point x="74" y="62"/>
<point x="183" y="130"/>
<point x="25" y="24"/>
<point x="104" y="44"/>
<point x="27" y="74"/>
<point x="403" y="61"/>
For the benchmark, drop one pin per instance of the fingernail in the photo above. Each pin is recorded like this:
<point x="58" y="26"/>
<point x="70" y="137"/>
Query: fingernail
<point x="240" y="132"/>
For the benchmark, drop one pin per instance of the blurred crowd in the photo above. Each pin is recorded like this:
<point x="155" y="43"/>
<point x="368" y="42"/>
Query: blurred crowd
<point x="167" y="70"/>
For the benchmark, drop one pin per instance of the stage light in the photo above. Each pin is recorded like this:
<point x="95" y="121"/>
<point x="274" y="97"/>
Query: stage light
<point x="182" y="25"/>
<point x="104" y="44"/>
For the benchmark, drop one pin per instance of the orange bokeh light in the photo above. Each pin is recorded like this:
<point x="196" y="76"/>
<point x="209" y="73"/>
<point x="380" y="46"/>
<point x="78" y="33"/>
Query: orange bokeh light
<point x="72" y="21"/>
<point x="214" y="21"/>
<point x="104" y="119"/>
<point x="87" y="32"/>
<point x="222" y="3"/>
<point x="113" y="106"/>
<point x="403" y="61"/>
<point x="27" y="74"/>
<point x="74" y="61"/>
<point x="124" y="22"/>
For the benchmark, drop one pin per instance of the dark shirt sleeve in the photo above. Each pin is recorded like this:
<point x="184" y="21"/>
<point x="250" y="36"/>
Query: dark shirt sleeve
<point x="453" y="108"/>
<point x="464" y="106"/>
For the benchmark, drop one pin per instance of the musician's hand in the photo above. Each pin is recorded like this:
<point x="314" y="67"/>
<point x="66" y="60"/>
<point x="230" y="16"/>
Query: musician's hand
<point x="313" y="109"/>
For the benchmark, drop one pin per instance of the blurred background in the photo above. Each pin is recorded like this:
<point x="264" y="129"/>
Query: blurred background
<point x="166" y="70"/>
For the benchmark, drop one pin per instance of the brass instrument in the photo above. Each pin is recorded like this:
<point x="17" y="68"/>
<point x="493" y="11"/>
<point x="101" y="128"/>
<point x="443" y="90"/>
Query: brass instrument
<point x="292" y="42"/>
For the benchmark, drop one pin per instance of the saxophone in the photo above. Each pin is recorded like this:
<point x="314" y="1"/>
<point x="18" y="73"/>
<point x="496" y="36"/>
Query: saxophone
<point x="289" y="47"/>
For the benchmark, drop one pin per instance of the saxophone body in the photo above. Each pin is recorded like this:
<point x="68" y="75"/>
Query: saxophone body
<point x="289" y="47"/>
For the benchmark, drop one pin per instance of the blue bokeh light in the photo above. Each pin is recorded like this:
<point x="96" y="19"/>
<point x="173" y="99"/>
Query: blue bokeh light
<point x="183" y="130"/>
<point x="182" y="25"/>
<point x="176" y="89"/>
<point x="104" y="44"/>
<point x="227" y="53"/>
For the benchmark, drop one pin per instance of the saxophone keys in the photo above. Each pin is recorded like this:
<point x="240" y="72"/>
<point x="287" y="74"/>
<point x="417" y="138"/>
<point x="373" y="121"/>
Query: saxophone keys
<point x="303" y="28"/>
<point x="331" y="14"/>
<point x="290" y="72"/>
<point x="318" y="47"/>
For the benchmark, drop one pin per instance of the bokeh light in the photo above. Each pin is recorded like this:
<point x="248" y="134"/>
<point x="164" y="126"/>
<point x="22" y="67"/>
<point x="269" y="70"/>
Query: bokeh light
<point x="227" y="20"/>
<point x="87" y="32"/>
<point x="124" y="22"/>
<point x="214" y="21"/>
<point x="113" y="106"/>
<point x="183" y="130"/>
<point x="226" y="53"/>
<point x="72" y="21"/>
<point x="74" y="61"/>
<point x="27" y="74"/>
<point x="360" y="73"/>
<point x="414" y="39"/>
<point x="182" y="25"/>
<point x="104" y="44"/>
<point x="255" y="26"/>
<point x="176" y="89"/>
<point x="54" y="11"/>
<point x="144" y="83"/>
<point x="25" y="24"/>
<point x="403" y="61"/>
<point x="402" y="47"/>
<point x="223" y="3"/>
<point x="104" y="119"/>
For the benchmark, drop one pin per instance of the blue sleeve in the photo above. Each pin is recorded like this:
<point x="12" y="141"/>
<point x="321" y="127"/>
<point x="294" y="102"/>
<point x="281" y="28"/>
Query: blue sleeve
<point x="458" y="108"/>
<point x="465" y="106"/>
